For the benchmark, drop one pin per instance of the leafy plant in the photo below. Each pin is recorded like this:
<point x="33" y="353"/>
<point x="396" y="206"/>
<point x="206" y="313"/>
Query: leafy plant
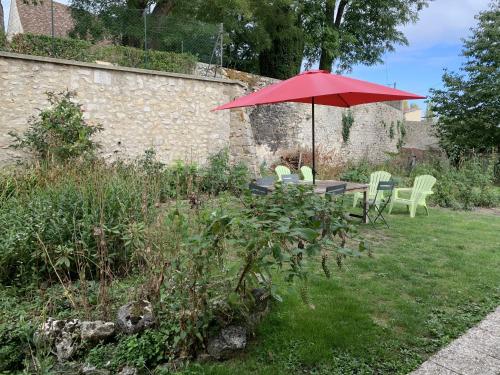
<point x="82" y="50"/>
<point x="391" y="130"/>
<point x="402" y="133"/>
<point x="219" y="175"/>
<point x="58" y="133"/>
<point x="347" y="123"/>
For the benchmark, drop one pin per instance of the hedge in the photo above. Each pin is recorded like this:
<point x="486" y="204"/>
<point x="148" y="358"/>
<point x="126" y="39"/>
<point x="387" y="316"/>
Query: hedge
<point x="81" y="50"/>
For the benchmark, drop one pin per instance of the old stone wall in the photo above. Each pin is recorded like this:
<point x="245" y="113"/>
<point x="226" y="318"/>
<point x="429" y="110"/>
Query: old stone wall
<point x="420" y="135"/>
<point x="280" y="128"/>
<point x="171" y="113"/>
<point x="138" y="109"/>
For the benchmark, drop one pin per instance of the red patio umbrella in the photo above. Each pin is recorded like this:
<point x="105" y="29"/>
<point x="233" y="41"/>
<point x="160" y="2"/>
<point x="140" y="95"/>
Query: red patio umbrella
<point x="321" y="87"/>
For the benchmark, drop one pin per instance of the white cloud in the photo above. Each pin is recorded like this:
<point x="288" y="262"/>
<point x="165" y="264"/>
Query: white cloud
<point x="444" y="22"/>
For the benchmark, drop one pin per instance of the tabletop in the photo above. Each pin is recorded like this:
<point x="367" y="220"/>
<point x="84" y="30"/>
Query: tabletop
<point x="321" y="185"/>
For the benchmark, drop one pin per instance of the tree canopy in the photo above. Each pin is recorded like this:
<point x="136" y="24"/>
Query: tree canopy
<point x="270" y="37"/>
<point x="468" y="106"/>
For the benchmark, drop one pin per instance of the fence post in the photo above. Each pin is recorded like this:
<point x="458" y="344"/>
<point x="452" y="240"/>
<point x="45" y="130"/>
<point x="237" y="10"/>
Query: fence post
<point x="221" y="43"/>
<point x="52" y="28"/>
<point x="145" y="39"/>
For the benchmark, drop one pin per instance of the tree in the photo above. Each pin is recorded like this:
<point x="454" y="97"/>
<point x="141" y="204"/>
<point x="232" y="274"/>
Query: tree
<point x="348" y="32"/>
<point x="468" y="106"/>
<point x="283" y="56"/>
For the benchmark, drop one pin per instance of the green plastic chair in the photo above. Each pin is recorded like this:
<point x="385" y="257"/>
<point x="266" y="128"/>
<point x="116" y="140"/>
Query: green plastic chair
<point x="422" y="187"/>
<point x="307" y="173"/>
<point x="281" y="170"/>
<point x="375" y="178"/>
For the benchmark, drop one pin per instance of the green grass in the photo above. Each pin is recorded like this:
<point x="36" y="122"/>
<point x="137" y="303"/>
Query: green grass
<point x="429" y="280"/>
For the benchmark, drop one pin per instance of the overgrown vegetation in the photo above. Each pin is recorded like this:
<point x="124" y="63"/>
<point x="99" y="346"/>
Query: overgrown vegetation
<point x="84" y="236"/>
<point x="81" y="50"/>
<point x="469" y="183"/>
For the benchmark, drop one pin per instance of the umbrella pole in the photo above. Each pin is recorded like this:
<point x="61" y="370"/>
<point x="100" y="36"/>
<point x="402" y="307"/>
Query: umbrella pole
<point x="313" y="143"/>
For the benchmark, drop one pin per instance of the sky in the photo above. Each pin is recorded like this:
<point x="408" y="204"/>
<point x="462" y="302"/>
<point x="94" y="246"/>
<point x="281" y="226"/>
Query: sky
<point x="435" y="43"/>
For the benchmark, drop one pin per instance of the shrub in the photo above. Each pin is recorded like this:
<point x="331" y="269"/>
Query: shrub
<point x="357" y="172"/>
<point x="219" y="175"/>
<point x="59" y="132"/>
<point x="3" y="40"/>
<point x="81" y="50"/>
<point x="43" y="45"/>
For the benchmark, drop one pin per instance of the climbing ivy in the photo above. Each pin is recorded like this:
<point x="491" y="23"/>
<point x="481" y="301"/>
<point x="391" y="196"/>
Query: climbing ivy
<point x="391" y="130"/>
<point x="347" y="123"/>
<point x="402" y="133"/>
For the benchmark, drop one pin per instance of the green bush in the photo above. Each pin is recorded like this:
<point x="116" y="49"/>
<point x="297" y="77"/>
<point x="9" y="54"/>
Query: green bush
<point x="81" y="50"/>
<point x="59" y="132"/>
<point x="43" y="45"/>
<point x="3" y="41"/>
<point x="359" y="172"/>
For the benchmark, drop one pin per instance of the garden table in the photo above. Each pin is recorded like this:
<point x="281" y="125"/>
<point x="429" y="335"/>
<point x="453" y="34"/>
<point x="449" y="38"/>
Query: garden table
<point x="351" y="187"/>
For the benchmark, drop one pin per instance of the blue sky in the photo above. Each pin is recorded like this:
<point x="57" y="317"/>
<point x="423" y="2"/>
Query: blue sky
<point x="435" y="44"/>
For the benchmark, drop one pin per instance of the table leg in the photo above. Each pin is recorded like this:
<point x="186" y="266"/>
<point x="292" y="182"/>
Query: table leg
<point x="365" y="207"/>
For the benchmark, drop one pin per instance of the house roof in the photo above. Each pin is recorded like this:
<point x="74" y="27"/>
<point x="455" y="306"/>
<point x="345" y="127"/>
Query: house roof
<point x="37" y="19"/>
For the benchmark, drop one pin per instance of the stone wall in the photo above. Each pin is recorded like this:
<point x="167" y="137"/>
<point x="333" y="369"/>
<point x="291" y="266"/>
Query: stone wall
<point x="420" y="135"/>
<point x="171" y="113"/>
<point x="138" y="109"/>
<point x="279" y="128"/>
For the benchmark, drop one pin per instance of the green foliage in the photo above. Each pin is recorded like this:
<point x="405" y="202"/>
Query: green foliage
<point x="59" y="132"/>
<point x="51" y="227"/>
<point x="468" y="106"/>
<point x="468" y="185"/>
<point x="219" y="175"/>
<point x="359" y="172"/>
<point x="3" y="40"/>
<point x="347" y="123"/>
<point x="353" y="32"/>
<point x="391" y="130"/>
<point x="43" y="45"/>
<point x="81" y="50"/>
<point x="402" y="133"/>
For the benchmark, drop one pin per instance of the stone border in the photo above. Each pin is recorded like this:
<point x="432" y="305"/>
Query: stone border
<point x="52" y="60"/>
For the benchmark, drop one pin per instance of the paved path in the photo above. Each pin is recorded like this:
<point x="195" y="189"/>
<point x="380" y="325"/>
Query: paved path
<point x="477" y="352"/>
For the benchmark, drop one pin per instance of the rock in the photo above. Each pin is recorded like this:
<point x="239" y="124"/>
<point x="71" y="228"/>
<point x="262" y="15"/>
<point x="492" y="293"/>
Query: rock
<point x="64" y="335"/>
<point x="230" y="341"/>
<point x="92" y="370"/>
<point x="53" y="329"/>
<point x="135" y="317"/>
<point x="97" y="330"/>
<point x="127" y="370"/>
<point x="65" y="346"/>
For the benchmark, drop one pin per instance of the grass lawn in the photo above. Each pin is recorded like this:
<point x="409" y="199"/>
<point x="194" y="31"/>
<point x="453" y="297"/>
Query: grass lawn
<point x="429" y="280"/>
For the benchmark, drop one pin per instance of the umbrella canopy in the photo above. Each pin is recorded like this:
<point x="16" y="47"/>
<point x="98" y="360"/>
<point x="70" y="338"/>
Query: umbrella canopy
<point x="321" y="87"/>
